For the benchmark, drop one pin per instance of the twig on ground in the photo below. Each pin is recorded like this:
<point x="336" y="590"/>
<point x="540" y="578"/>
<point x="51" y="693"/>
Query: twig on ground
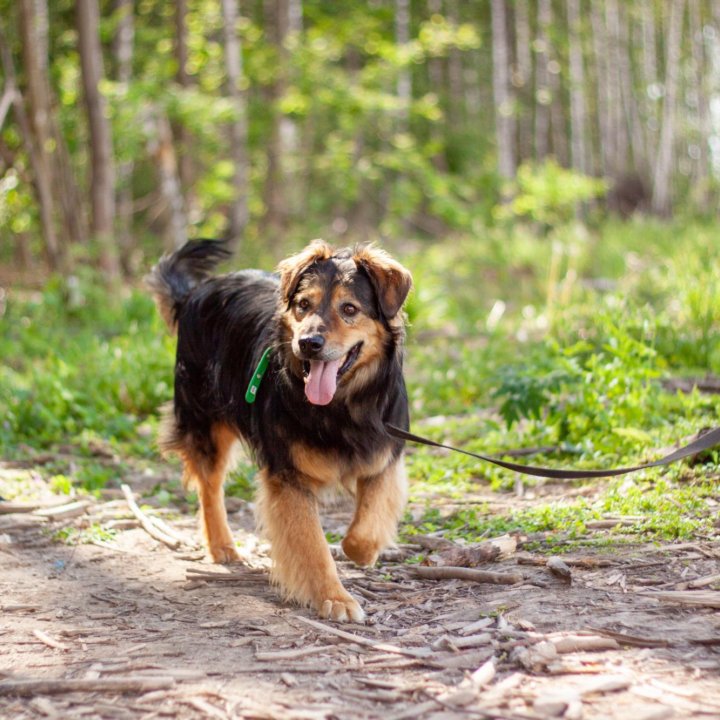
<point x="47" y="640"/>
<point x="64" y="512"/>
<point x="709" y="598"/>
<point x="461" y="573"/>
<point x="367" y="642"/>
<point x="29" y="688"/>
<point x="147" y="524"/>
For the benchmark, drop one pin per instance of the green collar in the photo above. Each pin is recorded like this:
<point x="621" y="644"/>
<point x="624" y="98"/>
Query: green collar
<point x="251" y="392"/>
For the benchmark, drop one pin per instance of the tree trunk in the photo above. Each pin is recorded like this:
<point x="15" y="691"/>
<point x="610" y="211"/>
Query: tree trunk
<point x="123" y="51"/>
<point x="51" y="148"/>
<point x="183" y="139"/>
<point x="238" y="218"/>
<point x="404" y="81"/>
<point x="606" y="140"/>
<point x="102" y="181"/>
<point x="39" y="162"/>
<point x="632" y="113"/>
<point x="618" y="126"/>
<point x="274" y="192"/>
<point x="523" y="78"/>
<point x="578" y="151"/>
<point x="543" y="92"/>
<point x="504" y="117"/>
<point x="162" y="151"/>
<point x="662" y="181"/>
<point x="699" y="145"/>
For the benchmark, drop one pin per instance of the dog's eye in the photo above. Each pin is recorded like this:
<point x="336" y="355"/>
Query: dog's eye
<point x="304" y="304"/>
<point x="349" y="309"/>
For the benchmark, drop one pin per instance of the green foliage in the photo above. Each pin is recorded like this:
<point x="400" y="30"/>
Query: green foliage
<point x="548" y="194"/>
<point x="81" y="366"/>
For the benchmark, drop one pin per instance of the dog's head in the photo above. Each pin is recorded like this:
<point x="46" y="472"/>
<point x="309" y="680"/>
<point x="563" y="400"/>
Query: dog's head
<point x="339" y="310"/>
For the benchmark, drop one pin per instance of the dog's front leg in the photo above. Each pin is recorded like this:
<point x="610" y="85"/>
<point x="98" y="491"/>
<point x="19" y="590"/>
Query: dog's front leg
<point x="302" y="564"/>
<point x="380" y="501"/>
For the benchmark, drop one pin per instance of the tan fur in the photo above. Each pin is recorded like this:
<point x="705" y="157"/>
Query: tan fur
<point x="302" y="564"/>
<point x="392" y="280"/>
<point x="293" y="267"/>
<point x="208" y="479"/>
<point x="287" y="504"/>
<point x="379" y="504"/>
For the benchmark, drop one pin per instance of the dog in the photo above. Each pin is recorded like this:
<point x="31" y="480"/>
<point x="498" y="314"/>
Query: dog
<point x="330" y="326"/>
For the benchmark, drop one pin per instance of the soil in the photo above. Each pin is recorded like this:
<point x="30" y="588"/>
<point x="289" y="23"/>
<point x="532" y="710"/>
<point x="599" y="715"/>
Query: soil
<point x="100" y="620"/>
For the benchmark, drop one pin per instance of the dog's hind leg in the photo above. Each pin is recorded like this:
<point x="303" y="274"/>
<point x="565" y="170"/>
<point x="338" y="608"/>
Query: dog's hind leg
<point x="302" y="564"/>
<point x="380" y="501"/>
<point x="206" y="465"/>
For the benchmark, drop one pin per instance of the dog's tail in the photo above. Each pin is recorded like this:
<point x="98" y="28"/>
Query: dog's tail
<point x="176" y="274"/>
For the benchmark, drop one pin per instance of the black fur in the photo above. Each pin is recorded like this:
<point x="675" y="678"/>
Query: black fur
<point x="224" y="325"/>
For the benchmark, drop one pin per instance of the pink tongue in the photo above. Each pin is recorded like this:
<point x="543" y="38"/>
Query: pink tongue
<point x="321" y="382"/>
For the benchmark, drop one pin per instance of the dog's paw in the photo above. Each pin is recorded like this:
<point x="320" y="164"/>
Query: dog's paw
<point x="343" y="608"/>
<point x="224" y="554"/>
<point x="360" y="551"/>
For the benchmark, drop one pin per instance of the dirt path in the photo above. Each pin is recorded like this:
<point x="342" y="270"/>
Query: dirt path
<point x="139" y="631"/>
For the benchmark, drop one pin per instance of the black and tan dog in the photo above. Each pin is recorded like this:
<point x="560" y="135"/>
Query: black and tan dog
<point x="333" y="322"/>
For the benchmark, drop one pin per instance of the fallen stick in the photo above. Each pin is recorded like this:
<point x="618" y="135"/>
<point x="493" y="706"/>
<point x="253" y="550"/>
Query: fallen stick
<point x="47" y="640"/>
<point x="28" y="688"/>
<point x="367" y="642"/>
<point x="148" y="526"/>
<point x="584" y="643"/>
<point x="66" y="511"/>
<point x="693" y="598"/>
<point x="461" y="573"/>
<point x="10" y="508"/>
<point x="293" y="654"/>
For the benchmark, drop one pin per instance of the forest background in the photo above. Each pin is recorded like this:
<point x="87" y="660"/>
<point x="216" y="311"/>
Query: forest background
<point x="548" y="170"/>
<point x="269" y="122"/>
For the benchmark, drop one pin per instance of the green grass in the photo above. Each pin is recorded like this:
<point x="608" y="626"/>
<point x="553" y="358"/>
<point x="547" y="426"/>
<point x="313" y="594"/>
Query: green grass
<point x="559" y="341"/>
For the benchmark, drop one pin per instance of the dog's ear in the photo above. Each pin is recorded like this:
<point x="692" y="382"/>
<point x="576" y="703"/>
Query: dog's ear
<point x="291" y="269"/>
<point x="391" y="280"/>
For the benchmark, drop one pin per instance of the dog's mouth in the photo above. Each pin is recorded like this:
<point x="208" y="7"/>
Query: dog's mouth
<point x="321" y="376"/>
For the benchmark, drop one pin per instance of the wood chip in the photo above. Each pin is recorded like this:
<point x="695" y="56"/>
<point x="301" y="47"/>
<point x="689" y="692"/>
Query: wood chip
<point x="476" y="554"/>
<point x="560" y="569"/>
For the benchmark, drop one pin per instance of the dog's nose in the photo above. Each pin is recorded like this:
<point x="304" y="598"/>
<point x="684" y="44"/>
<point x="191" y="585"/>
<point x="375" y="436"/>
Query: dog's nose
<point x="311" y="344"/>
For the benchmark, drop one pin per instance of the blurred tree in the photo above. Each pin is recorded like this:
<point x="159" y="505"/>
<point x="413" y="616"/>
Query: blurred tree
<point x="238" y="218"/>
<point x="102" y="179"/>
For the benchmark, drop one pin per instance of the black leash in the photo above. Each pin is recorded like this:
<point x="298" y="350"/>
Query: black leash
<point x="707" y="440"/>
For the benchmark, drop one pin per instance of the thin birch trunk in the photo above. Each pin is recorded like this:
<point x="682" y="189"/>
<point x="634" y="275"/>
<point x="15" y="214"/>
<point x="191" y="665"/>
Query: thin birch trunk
<point x="618" y="125"/>
<point x="504" y="118"/>
<point x="663" y="176"/>
<point x="699" y="148"/>
<point x="274" y="191"/>
<point x="523" y="79"/>
<point x="578" y="151"/>
<point x="102" y="181"/>
<point x="238" y="219"/>
<point x="183" y="138"/>
<point x="162" y="150"/>
<point x="404" y="81"/>
<point x="41" y="171"/>
<point x="606" y="143"/>
<point x="123" y="51"/>
<point x="543" y="92"/>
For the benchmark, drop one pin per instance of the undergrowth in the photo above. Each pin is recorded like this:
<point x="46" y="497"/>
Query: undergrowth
<point x="559" y="343"/>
